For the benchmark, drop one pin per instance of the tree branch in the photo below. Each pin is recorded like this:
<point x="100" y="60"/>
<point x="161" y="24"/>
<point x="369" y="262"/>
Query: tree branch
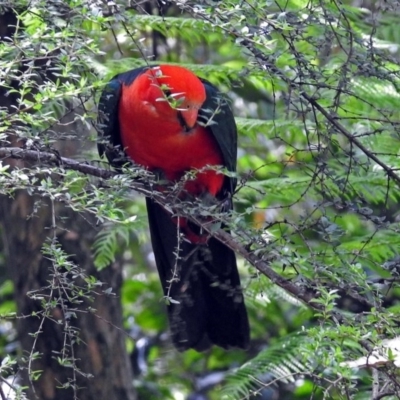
<point x="53" y="158"/>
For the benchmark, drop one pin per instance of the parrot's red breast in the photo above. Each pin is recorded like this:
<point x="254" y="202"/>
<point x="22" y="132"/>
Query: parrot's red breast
<point x="162" y="133"/>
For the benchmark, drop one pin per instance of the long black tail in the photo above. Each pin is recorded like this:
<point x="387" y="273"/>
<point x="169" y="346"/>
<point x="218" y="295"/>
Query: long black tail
<point x="207" y="305"/>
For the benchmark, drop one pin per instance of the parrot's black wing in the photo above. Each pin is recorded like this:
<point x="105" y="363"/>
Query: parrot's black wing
<point x="216" y="114"/>
<point x="109" y="142"/>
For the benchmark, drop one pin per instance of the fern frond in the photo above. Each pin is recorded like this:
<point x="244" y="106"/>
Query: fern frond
<point x="108" y="242"/>
<point x="250" y="127"/>
<point x="261" y="297"/>
<point x="195" y="29"/>
<point x="377" y="91"/>
<point x="279" y="359"/>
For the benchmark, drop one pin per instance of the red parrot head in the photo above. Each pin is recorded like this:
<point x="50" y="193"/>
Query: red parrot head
<point x="173" y="92"/>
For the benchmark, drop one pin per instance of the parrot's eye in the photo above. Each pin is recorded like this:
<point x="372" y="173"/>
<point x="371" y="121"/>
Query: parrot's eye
<point x="167" y="93"/>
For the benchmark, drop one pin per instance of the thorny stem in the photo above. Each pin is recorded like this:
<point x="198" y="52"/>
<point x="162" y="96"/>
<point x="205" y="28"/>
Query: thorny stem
<point x="175" y="272"/>
<point x="68" y="335"/>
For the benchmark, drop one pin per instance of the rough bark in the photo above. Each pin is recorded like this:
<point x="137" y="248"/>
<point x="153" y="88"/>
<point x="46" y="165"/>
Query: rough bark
<point x="100" y="350"/>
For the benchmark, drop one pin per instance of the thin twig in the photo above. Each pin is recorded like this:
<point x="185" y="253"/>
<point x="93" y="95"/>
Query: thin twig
<point x="375" y="382"/>
<point x="2" y="395"/>
<point x="382" y="395"/>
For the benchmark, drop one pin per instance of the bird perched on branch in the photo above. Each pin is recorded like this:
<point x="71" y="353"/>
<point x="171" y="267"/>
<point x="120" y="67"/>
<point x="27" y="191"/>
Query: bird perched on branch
<point x="170" y="121"/>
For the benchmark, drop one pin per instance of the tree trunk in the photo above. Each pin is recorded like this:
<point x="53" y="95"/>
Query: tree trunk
<point x="99" y="345"/>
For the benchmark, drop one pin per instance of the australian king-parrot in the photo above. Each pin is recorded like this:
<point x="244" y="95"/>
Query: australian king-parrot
<point x="170" y="121"/>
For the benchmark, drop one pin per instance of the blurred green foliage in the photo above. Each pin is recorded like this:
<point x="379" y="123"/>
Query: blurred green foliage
<point x="312" y="199"/>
